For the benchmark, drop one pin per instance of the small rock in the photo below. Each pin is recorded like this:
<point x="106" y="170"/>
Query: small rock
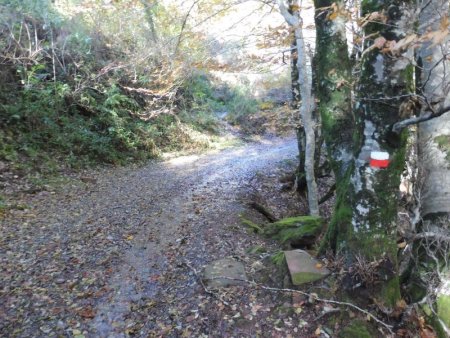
<point x="45" y="329"/>
<point x="60" y="281"/>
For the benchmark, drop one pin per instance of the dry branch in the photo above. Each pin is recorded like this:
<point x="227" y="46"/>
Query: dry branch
<point x="309" y="295"/>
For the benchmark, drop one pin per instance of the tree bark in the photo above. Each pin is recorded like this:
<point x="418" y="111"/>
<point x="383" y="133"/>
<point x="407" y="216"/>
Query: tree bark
<point x="332" y="82"/>
<point x="365" y="219"/>
<point x="434" y="135"/>
<point x="434" y="159"/>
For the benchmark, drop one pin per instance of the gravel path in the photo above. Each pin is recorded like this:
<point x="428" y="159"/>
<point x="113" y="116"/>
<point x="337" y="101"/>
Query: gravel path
<point x="109" y="258"/>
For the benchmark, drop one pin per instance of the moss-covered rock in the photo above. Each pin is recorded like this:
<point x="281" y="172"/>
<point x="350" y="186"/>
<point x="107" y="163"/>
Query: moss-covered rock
<point x="304" y="268"/>
<point x="295" y="229"/>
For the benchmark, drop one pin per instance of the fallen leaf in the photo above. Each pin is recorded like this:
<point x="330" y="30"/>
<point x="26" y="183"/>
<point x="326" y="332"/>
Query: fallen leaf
<point x="87" y="313"/>
<point x="427" y="332"/>
<point x="318" y="331"/>
<point x="401" y="245"/>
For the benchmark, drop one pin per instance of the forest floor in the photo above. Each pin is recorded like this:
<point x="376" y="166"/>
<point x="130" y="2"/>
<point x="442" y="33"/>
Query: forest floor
<point x="119" y="252"/>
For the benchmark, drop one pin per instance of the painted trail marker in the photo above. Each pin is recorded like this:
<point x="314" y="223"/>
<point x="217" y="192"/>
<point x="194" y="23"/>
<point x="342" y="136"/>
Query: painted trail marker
<point x="379" y="159"/>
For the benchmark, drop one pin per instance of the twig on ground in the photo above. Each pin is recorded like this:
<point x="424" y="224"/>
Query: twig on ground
<point x="310" y="295"/>
<point x="326" y="313"/>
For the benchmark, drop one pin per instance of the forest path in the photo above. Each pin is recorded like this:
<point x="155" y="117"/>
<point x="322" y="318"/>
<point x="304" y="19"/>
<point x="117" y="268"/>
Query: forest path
<point x="108" y="258"/>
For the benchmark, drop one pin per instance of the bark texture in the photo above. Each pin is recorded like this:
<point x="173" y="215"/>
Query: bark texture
<point x="434" y="156"/>
<point x="332" y="83"/>
<point x="434" y="135"/>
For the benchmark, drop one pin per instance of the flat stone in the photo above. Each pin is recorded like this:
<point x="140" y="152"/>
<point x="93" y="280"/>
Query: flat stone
<point x="224" y="272"/>
<point x="304" y="268"/>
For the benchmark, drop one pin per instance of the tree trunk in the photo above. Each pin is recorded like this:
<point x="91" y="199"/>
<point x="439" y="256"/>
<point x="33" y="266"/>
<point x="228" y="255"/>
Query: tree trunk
<point x="332" y="74"/>
<point x="434" y="135"/>
<point x="296" y="98"/>
<point x="306" y="107"/>
<point x="364" y="224"/>
<point x="434" y="159"/>
<point x="149" y="13"/>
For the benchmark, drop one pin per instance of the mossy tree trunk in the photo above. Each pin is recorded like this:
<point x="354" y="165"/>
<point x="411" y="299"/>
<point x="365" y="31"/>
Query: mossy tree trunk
<point x="332" y="80"/>
<point x="365" y="219"/>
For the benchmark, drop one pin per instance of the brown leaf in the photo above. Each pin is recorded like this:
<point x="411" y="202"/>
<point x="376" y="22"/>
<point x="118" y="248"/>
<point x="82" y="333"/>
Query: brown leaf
<point x="318" y="331"/>
<point x="333" y="16"/>
<point x="427" y="332"/>
<point x="88" y="313"/>
<point x="379" y="42"/>
<point x="401" y="245"/>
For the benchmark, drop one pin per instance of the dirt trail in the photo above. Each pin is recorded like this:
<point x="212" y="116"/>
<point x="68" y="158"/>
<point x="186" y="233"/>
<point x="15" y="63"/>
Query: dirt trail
<point x="108" y="259"/>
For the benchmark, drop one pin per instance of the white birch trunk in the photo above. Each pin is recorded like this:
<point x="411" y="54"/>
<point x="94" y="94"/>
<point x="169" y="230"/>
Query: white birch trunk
<point x="305" y="84"/>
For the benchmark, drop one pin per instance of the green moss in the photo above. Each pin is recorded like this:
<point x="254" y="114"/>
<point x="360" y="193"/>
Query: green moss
<point x="415" y="292"/>
<point x="338" y="227"/>
<point x="298" y="221"/>
<point x="443" y="309"/>
<point x="294" y="228"/>
<point x="305" y="277"/>
<point x="390" y="292"/>
<point x="408" y="76"/>
<point x="356" y="329"/>
<point x="255" y="227"/>
<point x="432" y="320"/>
<point x="278" y="258"/>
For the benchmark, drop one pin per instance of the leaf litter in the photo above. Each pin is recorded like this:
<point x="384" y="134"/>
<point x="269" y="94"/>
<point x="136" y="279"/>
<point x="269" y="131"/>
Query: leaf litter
<point x="107" y="257"/>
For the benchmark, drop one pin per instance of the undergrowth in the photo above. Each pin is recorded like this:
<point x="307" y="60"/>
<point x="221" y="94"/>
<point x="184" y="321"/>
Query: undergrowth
<point x="44" y="126"/>
<point x="71" y="98"/>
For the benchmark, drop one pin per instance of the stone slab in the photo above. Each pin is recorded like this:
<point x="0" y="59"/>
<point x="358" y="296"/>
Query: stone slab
<point x="304" y="268"/>
<point x="224" y="272"/>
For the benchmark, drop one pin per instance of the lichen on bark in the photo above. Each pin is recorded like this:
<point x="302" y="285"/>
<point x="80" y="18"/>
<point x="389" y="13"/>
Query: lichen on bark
<point x="365" y="219"/>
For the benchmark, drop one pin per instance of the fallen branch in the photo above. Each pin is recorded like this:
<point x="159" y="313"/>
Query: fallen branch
<point x="436" y="236"/>
<point x="263" y="210"/>
<point x="309" y="295"/>
<point x="328" y="195"/>
<point x="429" y="115"/>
